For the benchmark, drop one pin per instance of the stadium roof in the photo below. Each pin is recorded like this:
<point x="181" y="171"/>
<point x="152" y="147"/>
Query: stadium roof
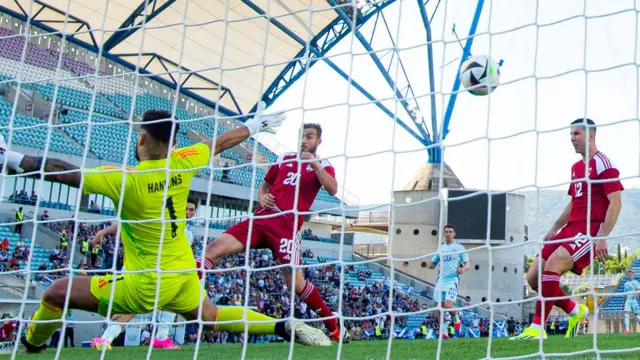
<point x="213" y="41"/>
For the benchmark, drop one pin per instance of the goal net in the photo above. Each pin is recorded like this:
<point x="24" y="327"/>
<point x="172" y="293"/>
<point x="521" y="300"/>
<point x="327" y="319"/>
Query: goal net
<point x="380" y="78"/>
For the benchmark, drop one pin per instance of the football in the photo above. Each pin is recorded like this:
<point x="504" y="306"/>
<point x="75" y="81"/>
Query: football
<point x="480" y="75"/>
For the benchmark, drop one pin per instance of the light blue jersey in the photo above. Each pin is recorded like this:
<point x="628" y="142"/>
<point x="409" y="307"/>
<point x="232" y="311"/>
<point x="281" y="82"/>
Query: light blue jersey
<point x="630" y="286"/>
<point x="450" y="258"/>
<point x="631" y="303"/>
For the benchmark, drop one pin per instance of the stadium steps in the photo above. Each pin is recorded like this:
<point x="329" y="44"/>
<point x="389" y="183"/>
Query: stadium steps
<point x="32" y="132"/>
<point x="91" y="88"/>
<point x="70" y="138"/>
<point x="12" y="288"/>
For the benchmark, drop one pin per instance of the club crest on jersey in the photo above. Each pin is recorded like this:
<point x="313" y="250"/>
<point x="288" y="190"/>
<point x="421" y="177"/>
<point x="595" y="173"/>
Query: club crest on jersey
<point x="309" y="168"/>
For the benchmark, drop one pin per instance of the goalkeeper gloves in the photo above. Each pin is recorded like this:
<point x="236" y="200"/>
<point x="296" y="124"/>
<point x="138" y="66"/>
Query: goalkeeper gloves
<point x="267" y="123"/>
<point x="11" y="159"/>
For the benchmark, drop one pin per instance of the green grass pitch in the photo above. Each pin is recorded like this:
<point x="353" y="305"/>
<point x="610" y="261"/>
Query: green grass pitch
<point x="556" y="347"/>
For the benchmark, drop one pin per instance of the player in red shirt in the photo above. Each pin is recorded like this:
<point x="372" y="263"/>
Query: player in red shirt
<point x="7" y="330"/>
<point x="281" y="233"/>
<point x="603" y="190"/>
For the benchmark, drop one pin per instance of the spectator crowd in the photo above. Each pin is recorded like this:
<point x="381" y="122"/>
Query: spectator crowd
<point x="268" y="291"/>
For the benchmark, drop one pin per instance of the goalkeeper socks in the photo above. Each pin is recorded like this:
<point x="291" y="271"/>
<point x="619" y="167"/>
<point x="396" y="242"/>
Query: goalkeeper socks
<point x="112" y="332"/>
<point x="237" y="313"/>
<point x="38" y="334"/>
<point x="550" y="288"/>
<point x="311" y="296"/>
<point x="164" y="329"/>
<point x="626" y="321"/>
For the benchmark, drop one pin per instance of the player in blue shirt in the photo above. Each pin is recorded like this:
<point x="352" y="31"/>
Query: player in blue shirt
<point x="631" y="300"/>
<point x="454" y="261"/>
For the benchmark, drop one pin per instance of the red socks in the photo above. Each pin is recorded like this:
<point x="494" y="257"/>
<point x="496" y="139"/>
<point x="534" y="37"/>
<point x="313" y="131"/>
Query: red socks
<point x="208" y="264"/>
<point x="311" y="296"/>
<point x="551" y="288"/>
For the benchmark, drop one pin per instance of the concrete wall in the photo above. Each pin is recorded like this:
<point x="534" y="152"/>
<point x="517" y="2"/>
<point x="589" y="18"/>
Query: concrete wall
<point x="318" y="229"/>
<point x="504" y="264"/>
<point x="54" y="214"/>
<point x="327" y="249"/>
<point x="414" y="232"/>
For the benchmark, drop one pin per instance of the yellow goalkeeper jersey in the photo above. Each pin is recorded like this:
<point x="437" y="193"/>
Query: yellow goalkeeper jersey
<point x="143" y="195"/>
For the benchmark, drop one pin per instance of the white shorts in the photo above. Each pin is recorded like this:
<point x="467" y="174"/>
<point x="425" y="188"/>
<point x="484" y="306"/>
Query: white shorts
<point x="444" y="293"/>
<point x="631" y="306"/>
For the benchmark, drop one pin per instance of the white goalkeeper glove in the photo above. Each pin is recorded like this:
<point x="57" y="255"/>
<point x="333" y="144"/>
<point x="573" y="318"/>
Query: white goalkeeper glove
<point x="262" y="122"/>
<point x="11" y="159"/>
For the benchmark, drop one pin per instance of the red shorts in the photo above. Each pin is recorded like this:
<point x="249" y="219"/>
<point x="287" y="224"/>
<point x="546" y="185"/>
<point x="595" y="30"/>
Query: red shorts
<point x="578" y="247"/>
<point x="274" y="233"/>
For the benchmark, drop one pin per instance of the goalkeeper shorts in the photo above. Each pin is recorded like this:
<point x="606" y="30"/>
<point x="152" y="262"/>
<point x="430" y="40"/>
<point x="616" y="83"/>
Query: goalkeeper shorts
<point x="136" y="293"/>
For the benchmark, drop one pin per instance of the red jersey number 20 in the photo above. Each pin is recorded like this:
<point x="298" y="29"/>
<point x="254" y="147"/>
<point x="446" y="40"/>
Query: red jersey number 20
<point x="291" y="179"/>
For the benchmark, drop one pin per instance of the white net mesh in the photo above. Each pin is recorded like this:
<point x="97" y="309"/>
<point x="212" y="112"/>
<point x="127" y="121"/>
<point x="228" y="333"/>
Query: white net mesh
<point x="77" y="79"/>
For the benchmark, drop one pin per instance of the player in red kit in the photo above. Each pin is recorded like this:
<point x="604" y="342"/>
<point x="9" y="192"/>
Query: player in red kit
<point x="281" y="233"/>
<point x="603" y="191"/>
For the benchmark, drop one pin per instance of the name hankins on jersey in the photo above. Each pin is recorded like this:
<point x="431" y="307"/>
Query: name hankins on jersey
<point x="600" y="168"/>
<point x="283" y="177"/>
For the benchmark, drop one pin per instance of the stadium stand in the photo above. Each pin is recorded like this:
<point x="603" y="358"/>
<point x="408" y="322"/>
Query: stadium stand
<point x="108" y="138"/>
<point x="365" y="291"/>
<point x="32" y="132"/>
<point x="16" y="248"/>
<point x="615" y="306"/>
<point x="111" y="107"/>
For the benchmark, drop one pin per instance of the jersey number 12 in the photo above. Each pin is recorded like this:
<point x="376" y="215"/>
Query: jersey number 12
<point x="577" y="187"/>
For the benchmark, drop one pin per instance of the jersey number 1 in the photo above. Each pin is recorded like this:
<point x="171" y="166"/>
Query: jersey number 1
<point x="172" y="216"/>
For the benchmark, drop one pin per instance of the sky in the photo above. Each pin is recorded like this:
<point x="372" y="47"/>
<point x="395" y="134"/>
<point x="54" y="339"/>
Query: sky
<point x="558" y="66"/>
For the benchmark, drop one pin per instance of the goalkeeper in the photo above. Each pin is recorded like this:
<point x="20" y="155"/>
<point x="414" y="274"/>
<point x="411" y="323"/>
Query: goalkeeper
<point x="162" y="339"/>
<point x="149" y="243"/>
